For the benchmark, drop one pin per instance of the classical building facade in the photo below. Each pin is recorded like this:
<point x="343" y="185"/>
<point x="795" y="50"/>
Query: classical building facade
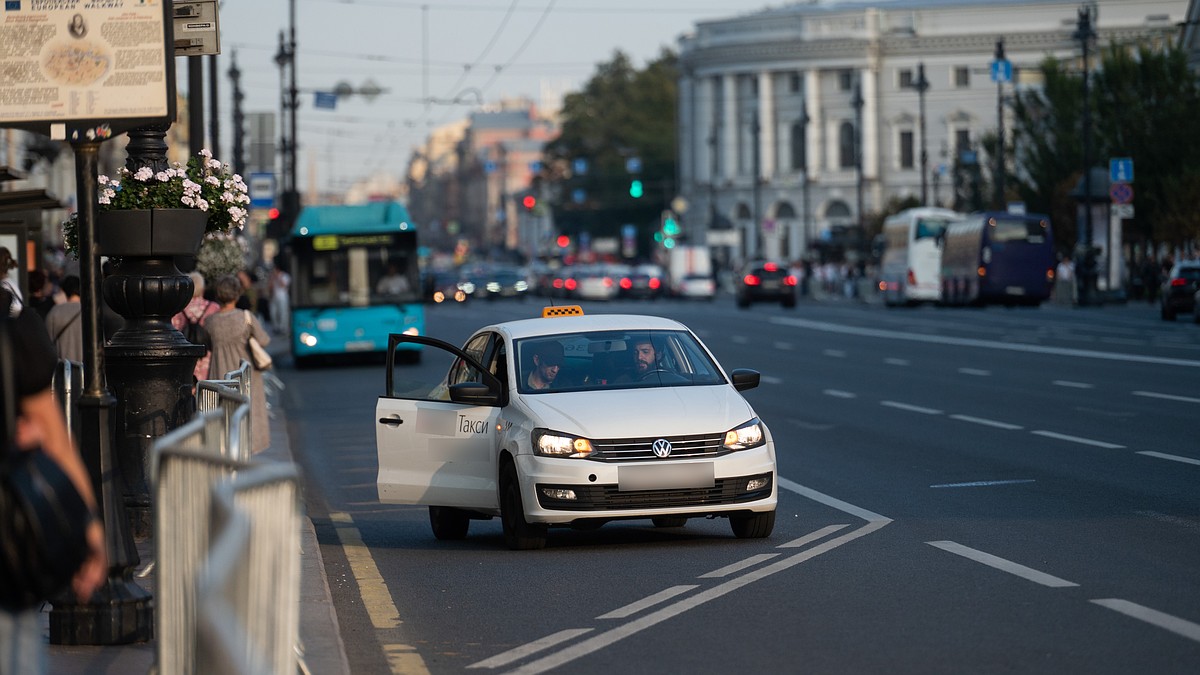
<point x="796" y="122"/>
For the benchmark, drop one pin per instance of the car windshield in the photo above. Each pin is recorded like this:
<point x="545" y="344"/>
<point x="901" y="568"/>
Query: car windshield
<point x="613" y="360"/>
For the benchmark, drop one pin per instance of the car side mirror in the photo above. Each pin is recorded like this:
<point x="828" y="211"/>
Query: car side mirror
<point x="474" y="393"/>
<point x="744" y="378"/>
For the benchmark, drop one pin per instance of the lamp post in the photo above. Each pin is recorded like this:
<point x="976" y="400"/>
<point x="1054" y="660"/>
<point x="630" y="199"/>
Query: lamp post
<point x="1000" y="168"/>
<point x="803" y="121"/>
<point x="239" y="118"/>
<point x="1087" y="275"/>
<point x="922" y="86"/>
<point x="857" y="102"/>
<point x="756" y="186"/>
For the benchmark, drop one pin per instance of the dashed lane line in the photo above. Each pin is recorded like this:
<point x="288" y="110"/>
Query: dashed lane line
<point x="813" y="536"/>
<point x="1003" y="565"/>
<point x="514" y="655"/>
<point x="978" y="372"/>
<point x="1167" y="397"/>
<point x="1154" y="617"/>
<point x="1073" y="385"/>
<point x="648" y="602"/>
<point x="911" y="408"/>
<point x="1078" y="439"/>
<point x="986" y="422"/>
<point x="738" y="566"/>
<point x="892" y="361"/>
<point x="838" y="393"/>
<point x="1173" y="458"/>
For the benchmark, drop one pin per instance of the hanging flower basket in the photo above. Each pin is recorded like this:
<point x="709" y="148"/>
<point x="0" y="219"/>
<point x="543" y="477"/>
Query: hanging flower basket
<point x="150" y="232"/>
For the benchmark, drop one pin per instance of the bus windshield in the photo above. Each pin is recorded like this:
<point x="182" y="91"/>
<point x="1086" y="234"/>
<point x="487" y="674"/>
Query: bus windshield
<point x="347" y="270"/>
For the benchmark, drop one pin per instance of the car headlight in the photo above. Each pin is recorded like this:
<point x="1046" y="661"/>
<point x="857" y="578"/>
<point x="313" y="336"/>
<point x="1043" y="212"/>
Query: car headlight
<point x="749" y="435"/>
<point x="555" y="444"/>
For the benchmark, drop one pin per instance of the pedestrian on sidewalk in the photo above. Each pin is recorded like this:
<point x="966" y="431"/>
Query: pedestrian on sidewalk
<point x="197" y="312"/>
<point x="64" y="323"/>
<point x="230" y="330"/>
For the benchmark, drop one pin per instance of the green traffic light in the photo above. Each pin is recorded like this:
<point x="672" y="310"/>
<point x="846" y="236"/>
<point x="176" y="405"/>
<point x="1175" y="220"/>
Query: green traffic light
<point x="670" y="227"/>
<point x="669" y="243"/>
<point x="635" y="189"/>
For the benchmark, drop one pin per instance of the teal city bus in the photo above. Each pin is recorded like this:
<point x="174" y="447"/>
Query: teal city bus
<point x="355" y="280"/>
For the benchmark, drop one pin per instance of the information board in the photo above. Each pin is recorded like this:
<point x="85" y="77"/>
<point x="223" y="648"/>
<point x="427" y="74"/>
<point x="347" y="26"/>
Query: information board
<point x="85" y="70"/>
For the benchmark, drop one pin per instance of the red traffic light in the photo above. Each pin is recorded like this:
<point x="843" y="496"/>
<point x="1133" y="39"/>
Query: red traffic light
<point x="529" y="201"/>
<point x="273" y="213"/>
<point x="563" y="241"/>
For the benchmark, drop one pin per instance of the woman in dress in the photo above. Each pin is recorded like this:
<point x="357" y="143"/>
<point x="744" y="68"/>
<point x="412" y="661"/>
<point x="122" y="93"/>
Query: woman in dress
<point x="230" y="329"/>
<point x="197" y="311"/>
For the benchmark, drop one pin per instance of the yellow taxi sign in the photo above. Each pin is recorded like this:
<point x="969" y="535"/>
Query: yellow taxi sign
<point x="565" y="310"/>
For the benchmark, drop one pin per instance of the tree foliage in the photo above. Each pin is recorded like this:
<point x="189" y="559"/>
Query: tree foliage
<point x="1143" y="102"/>
<point x="621" y="113"/>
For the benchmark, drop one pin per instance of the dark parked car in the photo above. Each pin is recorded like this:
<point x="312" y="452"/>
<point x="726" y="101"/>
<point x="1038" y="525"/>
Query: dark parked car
<point x="1178" y="294"/>
<point x="766" y="282"/>
<point x="643" y="281"/>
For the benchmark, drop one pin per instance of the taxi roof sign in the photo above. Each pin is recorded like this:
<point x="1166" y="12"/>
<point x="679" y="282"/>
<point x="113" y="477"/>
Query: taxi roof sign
<point x="565" y="310"/>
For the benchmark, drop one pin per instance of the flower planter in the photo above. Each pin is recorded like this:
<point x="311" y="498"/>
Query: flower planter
<point x="150" y="232"/>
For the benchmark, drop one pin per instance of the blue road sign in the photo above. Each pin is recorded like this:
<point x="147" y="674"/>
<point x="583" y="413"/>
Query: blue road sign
<point x="633" y="165"/>
<point x="578" y="195"/>
<point x="325" y="99"/>
<point x="580" y="166"/>
<point x="489" y="167"/>
<point x="1002" y="71"/>
<point x="1120" y="169"/>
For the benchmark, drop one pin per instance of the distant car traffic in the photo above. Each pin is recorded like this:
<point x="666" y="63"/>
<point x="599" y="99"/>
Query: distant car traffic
<point x="574" y="421"/>
<point x="643" y="282"/>
<point x="696" y="287"/>
<point x="1178" y="294"/>
<point x="766" y="282"/>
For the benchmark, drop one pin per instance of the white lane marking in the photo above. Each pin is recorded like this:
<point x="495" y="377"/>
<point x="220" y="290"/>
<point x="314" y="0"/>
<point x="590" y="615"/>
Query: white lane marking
<point x="988" y="344"/>
<point x="813" y="536"/>
<point x="768" y="379"/>
<point x="534" y="647"/>
<point x="838" y="393"/>
<point x="1173" y="458"/>
<point x="832" y="502"/>
<point x="897" y="362"/>
<point x="984" y="483"/>
<point x="911" y="408"/>
<point x="783" y="346"/>
<point x="1003" y="565"/>
<point x="975" y="371"/>
<point x="647" y="602"/>
<point x="986" y="422"/>
<point x="1077" y="439"/>
<point x="1174" y="624"/>
<point x="1167" y="397"/>
<point x="1074" y="385"/>
<point x="835" y="353"/>
<point x="614" y="635"/>
<point x="738" y="566"/>
<point x="738" y="339"/>
<point x="1185" y="523"/>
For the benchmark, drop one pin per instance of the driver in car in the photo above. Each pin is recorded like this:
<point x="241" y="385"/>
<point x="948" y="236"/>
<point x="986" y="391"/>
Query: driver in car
<point x="645" y="358"/>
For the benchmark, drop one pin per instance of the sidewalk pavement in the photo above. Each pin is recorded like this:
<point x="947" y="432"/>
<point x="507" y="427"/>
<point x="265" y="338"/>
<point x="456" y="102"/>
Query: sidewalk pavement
<point x="320" y="636"/>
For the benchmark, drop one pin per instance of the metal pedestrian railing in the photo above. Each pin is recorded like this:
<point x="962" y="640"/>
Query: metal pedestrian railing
<point x="227" y="532"/>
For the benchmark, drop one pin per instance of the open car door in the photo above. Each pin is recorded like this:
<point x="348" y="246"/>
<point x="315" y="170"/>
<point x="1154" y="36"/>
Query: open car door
<point x="435" y="429"/>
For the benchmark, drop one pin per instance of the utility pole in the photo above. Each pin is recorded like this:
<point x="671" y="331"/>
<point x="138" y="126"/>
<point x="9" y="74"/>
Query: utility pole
<point x="239" y="118"/>
<point x="1087" y="276"/>
<point x="756" y="186"/>
<point x="922" y="86"/>
<point x="998" y="201"/>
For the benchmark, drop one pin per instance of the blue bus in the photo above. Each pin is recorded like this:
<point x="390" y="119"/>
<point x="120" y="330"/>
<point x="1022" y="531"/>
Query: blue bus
<point x="996" y="257"/>
<point x="355" y="279"/>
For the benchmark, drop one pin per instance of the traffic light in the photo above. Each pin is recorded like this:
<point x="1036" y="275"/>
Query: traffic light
<point x="635" y="189"/>
<point x="273" y="213"/>
<point x="563" y="241"/>
<point x="529" y="201"/>
<point x="670" y="226"/>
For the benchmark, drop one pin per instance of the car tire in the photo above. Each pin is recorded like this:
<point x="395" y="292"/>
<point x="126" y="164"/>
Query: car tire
<point x="1196" y="315"/>
<point x="789" y="302"/>
<point x="743" y="303"/>
<point x="519" y="534"/>
<point x="448" y="523"/>
<point x="669" y="521"/>
<point x="754" y="526"/>
<point x="1167" y="315"/>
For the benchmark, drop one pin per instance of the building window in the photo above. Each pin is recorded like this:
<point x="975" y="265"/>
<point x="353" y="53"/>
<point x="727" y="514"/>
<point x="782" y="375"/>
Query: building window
<point x="845" y="80"/>
<point x="799" y="148"/>
<point x="962" y="77"/>
<point x="846" y="145"/>
<point x="962" y="140"/>
<point x="906" y="149"/>
<point x="906" y="78"/>
<point x="794" y="83"/>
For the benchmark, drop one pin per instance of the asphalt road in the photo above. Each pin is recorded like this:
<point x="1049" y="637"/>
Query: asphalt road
<point x="962" y="491"/>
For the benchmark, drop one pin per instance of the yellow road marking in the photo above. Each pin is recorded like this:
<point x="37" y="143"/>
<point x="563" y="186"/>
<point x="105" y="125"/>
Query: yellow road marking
<point x="376" y="598"/>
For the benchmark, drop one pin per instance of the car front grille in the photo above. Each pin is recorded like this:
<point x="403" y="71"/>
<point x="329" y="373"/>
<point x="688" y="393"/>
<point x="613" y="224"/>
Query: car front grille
<point x="725" y="491"/>
<point x="639" y="449"/>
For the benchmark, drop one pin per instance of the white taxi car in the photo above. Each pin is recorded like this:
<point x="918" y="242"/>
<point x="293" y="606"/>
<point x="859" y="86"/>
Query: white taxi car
<point x="573" y="420"/>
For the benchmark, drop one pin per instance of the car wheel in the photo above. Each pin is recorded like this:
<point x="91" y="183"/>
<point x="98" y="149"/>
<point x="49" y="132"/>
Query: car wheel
<point x="754" y="526"/>
<point x="669" y="521"/>
<point x="1196" y="315"/>
<point x="448" y="523"/>
<point x="743" y="302"/>
<point x="1167" y="314"/>
<point x="519" y="535"/>
<point x="789" y="302"/>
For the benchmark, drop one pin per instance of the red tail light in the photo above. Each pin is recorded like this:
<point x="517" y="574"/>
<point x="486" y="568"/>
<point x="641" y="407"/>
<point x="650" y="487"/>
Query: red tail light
<point x="1180" y="282"/>
<point x="750" y="280"/>
<point x="655" y="283"/>
<point x="771" y="267"/>
<point x="558" y="283"/>
<point x="608" y="282"/>
<point x="912" y="278"/>
<point x="789" y="280"/>
<point x="570" y="284"/>
<point x="626" y="283"/>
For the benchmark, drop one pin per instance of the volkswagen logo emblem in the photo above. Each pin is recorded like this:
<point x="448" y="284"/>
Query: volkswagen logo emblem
<point x="661" y="448"/>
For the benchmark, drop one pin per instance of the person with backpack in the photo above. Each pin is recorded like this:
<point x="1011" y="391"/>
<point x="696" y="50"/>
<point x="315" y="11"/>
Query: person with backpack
<point x="190" y="322"/>
<point x="39" y="421"/>
<point x="64" y="323"/>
